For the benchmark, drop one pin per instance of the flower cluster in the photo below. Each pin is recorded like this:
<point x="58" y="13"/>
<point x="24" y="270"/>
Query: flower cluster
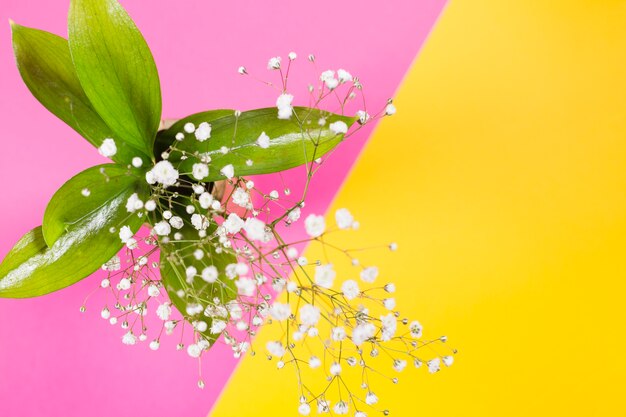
<point x="227" y="267"/>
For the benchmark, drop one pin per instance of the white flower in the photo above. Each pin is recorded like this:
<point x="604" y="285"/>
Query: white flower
<point x="194" y="350"/>
<point x="416" y="329"/>
<point x="210" y="274"/>
<point x="447" y="360"/>
<point x="338" y="127"/>
<point x="242" y="70"/>
<point x="344" y="219"/>
<point x="399" y="365"/>
<point x="273" y="63"/>
<point x="133" y="203"/>
<point x="304" y="409"/>
<point x="129" y="339"/>
<point x="280" y="311"/>
<point x="344" y="76"/>
<point x="107" y="148"/>
<point x="325" y="275"/>
<point x="371" y="398"/>
<point x="360" y="414"/>
<point x="255" y="229"/>
<point x="246" y="286"/>
<point x="154" y="345"/>
<point x="177" y="222"/>
<point x="283" y="103"/>
<point x="363" y="116"/>
<point x="275" y="349"/>
<point x="218" y="326"/>
<point x="200" y="171"/>
<point x="233" y="224"/>
<point x="163" y="173"/>
<point x="241" y="197"/>
<point x="199" y="221"/>
<point x="433" y="365"/>
<point x="369" y="274"/>
<point x="323" y="406"/>
<point x="327" y="75"/>
<point x="314" y="225"/>
<point x="315" y="362"/>
<point x="228" y="171"/>
<point x="389" y="303"/>
<point x="309" y="315"/>
<point x="341" y="408"/>
<point x="363" y="332"/>
<point x="131" y="244"/>
<point x="137" y="162"/>
<point x="331" y="83"/>
<point x="292" y="56"/>
<point x="205" y="200"/>
<point x="338" y="334"/>
<point x="391" y="287"/>
<point x="125" y="233"/>
<point x="164" y="311"/>
<point x="190" y="273"/>
<point x="350" y="289"/>
<point x="153" y="291"/>
<point x="388" y="326"/>
<point x="85" y="192"/>
<point x="390" y="109"/>
<point x="114" y="263"/>
<point x="150" y="205"/>
<point x="335" y="369"/>
<point x="189" y="127"/>
<point x="203" y="132"/>
<point x="294" y="214"/>
<point x="162" y="228"/>
<point x="263" y="141"/>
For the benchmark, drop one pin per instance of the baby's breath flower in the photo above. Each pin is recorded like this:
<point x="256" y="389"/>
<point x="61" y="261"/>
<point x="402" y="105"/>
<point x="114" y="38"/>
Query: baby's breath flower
<point x="108" y="148"/>
<point x="274" y="63"/>
<point x="315" y="225"/>
<point x="338" y="127"/>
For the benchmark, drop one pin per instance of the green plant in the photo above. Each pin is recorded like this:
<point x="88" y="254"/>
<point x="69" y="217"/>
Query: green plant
<point x="104" y="84"/>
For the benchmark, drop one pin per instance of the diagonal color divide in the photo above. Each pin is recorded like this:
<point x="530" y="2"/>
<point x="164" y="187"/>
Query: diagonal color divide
<point x="60" y="362"/>
<point x="505" y="168"/>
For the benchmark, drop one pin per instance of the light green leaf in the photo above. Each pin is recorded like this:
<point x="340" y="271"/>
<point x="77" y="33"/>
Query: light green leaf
<point x="45" y="65"/>
<point x="100" y="185"/>
<point x="32" y="268"/>
<point x="116" y="70"/>
<point x="177" y="256"/>
<point x="292" y="142"/>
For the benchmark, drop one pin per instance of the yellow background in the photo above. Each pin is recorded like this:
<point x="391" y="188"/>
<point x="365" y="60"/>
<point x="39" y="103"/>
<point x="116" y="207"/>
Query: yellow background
<point x="503" y="179"/>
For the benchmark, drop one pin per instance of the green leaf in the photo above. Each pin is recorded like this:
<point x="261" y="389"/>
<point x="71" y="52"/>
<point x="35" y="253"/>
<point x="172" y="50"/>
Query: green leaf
<point x="293" y="142"/>
<point x="102" y="183"/>
<point x="177" y="256"/>
<point x="33" y="268"/>
<point x="45" y="64"/>
<point x="116" y="70"/>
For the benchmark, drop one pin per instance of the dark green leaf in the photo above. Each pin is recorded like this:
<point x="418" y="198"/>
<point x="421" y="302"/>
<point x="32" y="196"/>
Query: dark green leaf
<point x="32" y="268"/>
<point x="102" y="183"/>
<point x="45" y="65"/>
<point x="177" y="256"/>
<point x="292" y="142"/>
<point x="116" y="70"/>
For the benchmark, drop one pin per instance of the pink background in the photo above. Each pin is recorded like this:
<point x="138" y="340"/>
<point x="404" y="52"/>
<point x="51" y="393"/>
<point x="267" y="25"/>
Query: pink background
<point x="55" y="361"/>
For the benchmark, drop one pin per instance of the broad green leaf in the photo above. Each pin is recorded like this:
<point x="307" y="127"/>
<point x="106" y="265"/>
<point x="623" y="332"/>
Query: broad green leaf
<point x="292" y="142"/>
<point x="45" y="65"/>
<point x="86" y="193"/>
<point x="177" y="256"/>
<point x="116" y="70"/>
<point x="32" y="268"/>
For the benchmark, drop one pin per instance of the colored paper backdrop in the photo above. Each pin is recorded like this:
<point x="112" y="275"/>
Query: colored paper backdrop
<point x="505" y="173"/>
<point x="56" y="361"/>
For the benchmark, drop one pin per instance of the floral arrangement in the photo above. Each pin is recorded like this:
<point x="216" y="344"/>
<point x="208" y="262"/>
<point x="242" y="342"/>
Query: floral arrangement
<point x="212" y="256"/>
